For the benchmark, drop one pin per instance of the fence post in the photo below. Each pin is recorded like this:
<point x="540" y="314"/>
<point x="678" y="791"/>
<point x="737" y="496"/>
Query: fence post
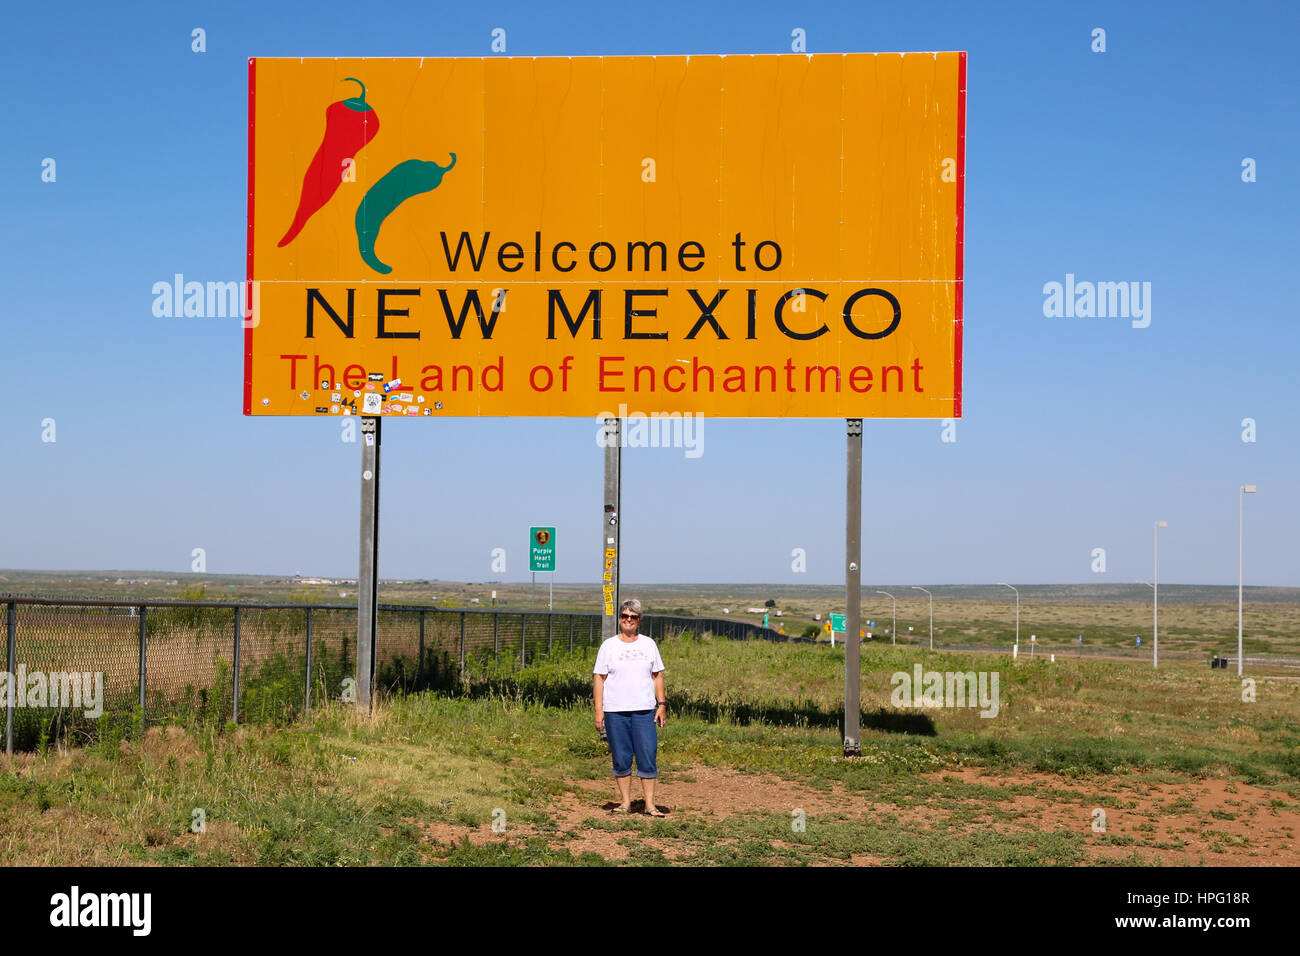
<point x="419" y="664"/>
<point x="462" y="646"/>
<point x="11" y="629"/>
<point x="234" y="714"/>
<point x="591" y="630"/>
<point x="523" y="640"/>
<point x="307" y="699"/>
<point x="496" y="637"/>
<point x="570" y="633"/>
<point x="144" y="612"/>
<point x="550" y="631"/>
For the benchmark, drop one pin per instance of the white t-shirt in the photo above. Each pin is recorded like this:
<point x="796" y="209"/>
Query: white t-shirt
<point x="628" y="669"/>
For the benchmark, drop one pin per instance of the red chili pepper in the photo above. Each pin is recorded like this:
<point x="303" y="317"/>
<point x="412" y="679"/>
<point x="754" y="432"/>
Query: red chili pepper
<point x="349" y="125"/>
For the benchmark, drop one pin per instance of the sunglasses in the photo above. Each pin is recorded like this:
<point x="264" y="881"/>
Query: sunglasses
<point x="630" y="617"/>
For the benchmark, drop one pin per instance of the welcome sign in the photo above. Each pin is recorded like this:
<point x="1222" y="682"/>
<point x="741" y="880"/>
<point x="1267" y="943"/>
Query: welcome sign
<point x="740" y="236"/>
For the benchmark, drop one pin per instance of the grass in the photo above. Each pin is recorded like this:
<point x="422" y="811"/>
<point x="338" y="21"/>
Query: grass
<point x="341" y="789"/>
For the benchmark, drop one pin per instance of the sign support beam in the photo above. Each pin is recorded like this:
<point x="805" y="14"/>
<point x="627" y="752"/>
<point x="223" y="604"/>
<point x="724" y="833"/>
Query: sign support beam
<point x="611" y="523"/>
<point x="368" y="574"/>
<point x="853" y="584"/>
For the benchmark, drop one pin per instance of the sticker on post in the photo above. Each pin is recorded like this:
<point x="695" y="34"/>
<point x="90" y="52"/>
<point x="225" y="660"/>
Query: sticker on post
<point x="371" y="403"/>
<point x="389" y="386"/>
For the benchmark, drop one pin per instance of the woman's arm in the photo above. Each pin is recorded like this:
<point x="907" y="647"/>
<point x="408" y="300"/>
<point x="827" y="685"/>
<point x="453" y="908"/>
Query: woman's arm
<point x="661" y="713"/>
<point x="598" y="695"/>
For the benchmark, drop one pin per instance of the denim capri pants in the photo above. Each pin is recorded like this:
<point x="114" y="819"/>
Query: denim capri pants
<point x="632" y="732"/>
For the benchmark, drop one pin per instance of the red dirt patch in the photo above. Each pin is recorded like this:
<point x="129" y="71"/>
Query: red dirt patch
<point x="1209" y="822"/>
<point x="1203" y="822"/>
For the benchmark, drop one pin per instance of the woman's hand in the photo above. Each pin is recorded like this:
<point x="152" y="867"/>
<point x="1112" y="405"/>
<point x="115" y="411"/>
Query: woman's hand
<point x="600" y="721"/>
<point x="661" y="715"/>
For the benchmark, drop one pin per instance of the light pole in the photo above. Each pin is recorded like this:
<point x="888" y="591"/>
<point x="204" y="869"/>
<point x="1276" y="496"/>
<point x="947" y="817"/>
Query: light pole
<point x="1241" y="498"/>
<point x="893" y="634"/>
<point x="1003" y="584"/>
<point x="1155" y="599"/>
<point x="931" y="614"/>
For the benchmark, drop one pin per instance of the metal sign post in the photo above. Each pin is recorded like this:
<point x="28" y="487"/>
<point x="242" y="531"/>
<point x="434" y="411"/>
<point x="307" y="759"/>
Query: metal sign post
<point x="853" y="583"/>
<point x="610" y="525"/>
<point x="368" y="575"/>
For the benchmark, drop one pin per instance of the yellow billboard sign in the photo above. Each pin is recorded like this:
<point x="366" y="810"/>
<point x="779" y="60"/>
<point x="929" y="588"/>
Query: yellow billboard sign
<point x="739" y="236"/>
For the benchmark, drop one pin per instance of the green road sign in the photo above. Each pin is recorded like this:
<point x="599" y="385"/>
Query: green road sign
<point x="839" y="623"/>
<point x="541" y="549"/>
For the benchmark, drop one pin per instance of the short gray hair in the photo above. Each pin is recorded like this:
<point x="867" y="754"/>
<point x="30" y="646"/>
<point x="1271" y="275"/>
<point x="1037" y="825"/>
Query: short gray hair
<point x="631" y="604"/>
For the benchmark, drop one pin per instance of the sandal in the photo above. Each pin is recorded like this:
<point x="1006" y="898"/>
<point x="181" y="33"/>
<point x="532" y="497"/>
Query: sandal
<point x="656" y="812"/>
<point x="621" y="809"/>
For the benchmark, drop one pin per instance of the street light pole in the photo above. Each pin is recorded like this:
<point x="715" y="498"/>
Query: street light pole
<point x="1155" y="598"/>
<point x="1241" y="498"/>
<point x="931" y="614"/>
<point x="1005" y="585"/>
<point x="893" y="634"/>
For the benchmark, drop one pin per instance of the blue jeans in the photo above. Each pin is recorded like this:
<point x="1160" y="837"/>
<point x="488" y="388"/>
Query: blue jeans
<point x="632" y="732"/>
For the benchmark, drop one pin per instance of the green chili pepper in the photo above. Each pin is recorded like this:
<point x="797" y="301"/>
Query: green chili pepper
<point x="406" y="179"/>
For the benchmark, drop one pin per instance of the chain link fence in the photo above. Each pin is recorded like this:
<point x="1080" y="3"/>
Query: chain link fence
<point x="83" y="670"/>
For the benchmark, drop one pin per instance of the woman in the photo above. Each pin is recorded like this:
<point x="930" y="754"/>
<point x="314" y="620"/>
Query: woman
<point x="630" y="703"/>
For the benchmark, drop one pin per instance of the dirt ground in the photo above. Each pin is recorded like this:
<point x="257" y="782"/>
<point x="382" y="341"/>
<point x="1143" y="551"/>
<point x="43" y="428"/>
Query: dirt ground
<point x="1208" y="822"/>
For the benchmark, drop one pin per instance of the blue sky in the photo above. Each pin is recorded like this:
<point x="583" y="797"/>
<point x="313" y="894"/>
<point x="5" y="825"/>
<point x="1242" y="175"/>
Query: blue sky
<point x="1077" y="433"/>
